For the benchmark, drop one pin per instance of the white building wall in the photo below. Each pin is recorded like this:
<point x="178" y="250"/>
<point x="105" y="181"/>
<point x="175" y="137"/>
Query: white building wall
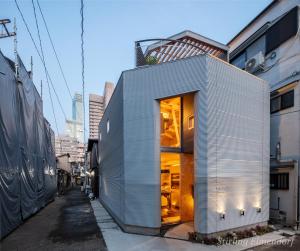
<point x="231" y="143"/>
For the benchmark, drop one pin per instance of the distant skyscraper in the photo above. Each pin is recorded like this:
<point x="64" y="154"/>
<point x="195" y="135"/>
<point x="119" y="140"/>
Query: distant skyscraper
<point x="74" y="126"/>
<point x="77" y="108"/>
<point x="97" y="105"/>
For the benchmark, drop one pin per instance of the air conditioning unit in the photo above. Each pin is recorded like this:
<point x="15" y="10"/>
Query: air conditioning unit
<point x="253" y="64"/>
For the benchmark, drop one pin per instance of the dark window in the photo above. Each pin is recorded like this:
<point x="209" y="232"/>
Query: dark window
<point x="287" y="100"/>
<point x="282" y="102"/>
<point x="279" y="181"/>
<point x="281" y="31"/>
<point x="275" y="104"/>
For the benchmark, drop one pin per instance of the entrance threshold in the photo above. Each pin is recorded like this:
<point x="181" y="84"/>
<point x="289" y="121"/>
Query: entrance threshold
<point x="180" y="231"/>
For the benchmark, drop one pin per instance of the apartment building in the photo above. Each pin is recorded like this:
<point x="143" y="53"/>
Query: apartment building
<point x="269" y="47"/>
<point x="97" y="105"/>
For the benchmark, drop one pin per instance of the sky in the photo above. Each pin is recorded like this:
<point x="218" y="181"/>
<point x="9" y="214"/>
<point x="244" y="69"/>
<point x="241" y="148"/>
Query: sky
<point x="110" y="29"/>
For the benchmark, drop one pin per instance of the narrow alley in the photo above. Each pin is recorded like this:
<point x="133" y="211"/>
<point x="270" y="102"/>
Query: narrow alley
<point x="68" y="223"/>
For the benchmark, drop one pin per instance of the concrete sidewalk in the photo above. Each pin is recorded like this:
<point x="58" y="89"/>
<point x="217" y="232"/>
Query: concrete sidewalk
<point x="117" y="240"/>
<point x="67" y="224"/>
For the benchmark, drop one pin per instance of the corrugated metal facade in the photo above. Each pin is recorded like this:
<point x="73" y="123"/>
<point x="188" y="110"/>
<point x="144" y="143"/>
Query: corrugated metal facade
<point x="231" y="152"/>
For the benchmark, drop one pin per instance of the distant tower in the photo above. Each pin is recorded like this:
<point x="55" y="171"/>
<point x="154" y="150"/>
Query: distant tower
<point x="77" y="108"/>
<point x="74" y="126"/>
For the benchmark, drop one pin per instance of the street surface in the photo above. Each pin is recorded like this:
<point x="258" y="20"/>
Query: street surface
<point x="66" y="224"/>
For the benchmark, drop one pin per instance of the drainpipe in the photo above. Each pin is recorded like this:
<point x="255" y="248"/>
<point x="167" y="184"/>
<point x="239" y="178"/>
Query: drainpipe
<point x="297" y="175"/>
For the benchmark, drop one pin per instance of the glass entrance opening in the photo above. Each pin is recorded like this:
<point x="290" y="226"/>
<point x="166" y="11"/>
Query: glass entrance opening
<point x="176" y="158"/>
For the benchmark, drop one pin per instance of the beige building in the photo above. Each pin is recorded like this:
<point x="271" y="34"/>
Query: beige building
<point x="97" y="105"/>
<point x="64" y="144"/>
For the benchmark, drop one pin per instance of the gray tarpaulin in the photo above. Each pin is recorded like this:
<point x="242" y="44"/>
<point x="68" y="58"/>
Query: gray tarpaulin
<point x="27" y="157"/>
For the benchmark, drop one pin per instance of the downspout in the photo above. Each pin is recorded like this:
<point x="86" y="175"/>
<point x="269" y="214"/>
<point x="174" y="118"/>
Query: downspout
<point x="297" y="175"/>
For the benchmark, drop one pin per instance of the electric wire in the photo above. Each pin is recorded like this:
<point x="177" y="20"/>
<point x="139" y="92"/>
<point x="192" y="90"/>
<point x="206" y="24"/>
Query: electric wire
<point x="35" y="46"/>
<point x="44" y="63"/>
<point x="53" y="47"/>
<point x="82" y="73"/>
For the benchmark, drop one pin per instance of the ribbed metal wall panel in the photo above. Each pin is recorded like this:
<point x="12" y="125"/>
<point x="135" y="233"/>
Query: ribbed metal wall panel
<point x="111" y="153"/>
<point x="231" y="143"/>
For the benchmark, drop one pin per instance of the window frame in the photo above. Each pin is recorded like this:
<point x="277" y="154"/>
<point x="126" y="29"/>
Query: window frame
<point x="280" y="96"/>
<point x="280" y="181"/>
<point x="277" y="28"/>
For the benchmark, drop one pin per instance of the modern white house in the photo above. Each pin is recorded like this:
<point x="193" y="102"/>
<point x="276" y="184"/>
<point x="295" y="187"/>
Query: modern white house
<point x="269" y="47"/>
<point x="186" y="141"/>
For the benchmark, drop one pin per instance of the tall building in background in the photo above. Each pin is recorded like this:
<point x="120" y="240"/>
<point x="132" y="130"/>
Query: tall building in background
<point x="97" y="105"/>
<point x="74" y="126"/>
<point x="108" y="91"/>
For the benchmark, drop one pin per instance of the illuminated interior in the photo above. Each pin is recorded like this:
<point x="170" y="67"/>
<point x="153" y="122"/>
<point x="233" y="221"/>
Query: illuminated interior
<point x="170" y="187"/>
<point x="177" y="161"/>
<point x="170" y="115"/>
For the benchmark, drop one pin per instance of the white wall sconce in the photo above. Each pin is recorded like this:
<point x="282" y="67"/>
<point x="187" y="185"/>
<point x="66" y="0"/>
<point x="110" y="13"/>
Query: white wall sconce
<point x="242" y="212"/>
<point x="258" y="209"/>
<point x="222" y="216"/>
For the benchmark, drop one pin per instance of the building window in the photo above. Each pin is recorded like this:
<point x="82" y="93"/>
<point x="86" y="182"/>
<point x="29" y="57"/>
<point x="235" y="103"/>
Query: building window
<point x="170" y="121"/>
<point x="107" y="126"/>
<point x="279" y="181"/>
<point x="281" y="31"/>
<point x="282" y="101"/>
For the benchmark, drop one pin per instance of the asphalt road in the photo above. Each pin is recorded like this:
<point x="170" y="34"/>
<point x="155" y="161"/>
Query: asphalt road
<point x="66" y="224"/>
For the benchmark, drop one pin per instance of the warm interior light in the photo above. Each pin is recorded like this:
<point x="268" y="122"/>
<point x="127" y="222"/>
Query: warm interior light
<point x="170" y="110"/>
<point x="170" y="193"/>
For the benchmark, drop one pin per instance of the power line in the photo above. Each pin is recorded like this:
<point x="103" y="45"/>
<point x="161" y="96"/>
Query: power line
<point x="44" y="63"/>
<point x="82" y="75"/>
<point x="52" y="44"/>
<point x="35" y="46"/>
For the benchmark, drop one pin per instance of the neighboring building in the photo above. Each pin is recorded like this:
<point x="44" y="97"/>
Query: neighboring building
<point x="182" y="45"/>
<point x="64" y="144"/>
<point x="108" y="91"/>
<point x="27" y="157"/>
<point x="74" y="126"/>
<point x="63" y="162"/>
<point x="96" y="110"/>
<point x="183" y="141"/>
<point x="64" y="173"/>
<point x="97" y="106"/>
<point x="269" y="47"/>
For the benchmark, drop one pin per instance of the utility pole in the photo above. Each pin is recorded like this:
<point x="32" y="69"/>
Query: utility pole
<point x="5" y="33"/>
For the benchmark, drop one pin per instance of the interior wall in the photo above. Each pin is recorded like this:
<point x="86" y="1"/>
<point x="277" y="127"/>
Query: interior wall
<point x="188" y="117"/>
<point x="187" y="187"/>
